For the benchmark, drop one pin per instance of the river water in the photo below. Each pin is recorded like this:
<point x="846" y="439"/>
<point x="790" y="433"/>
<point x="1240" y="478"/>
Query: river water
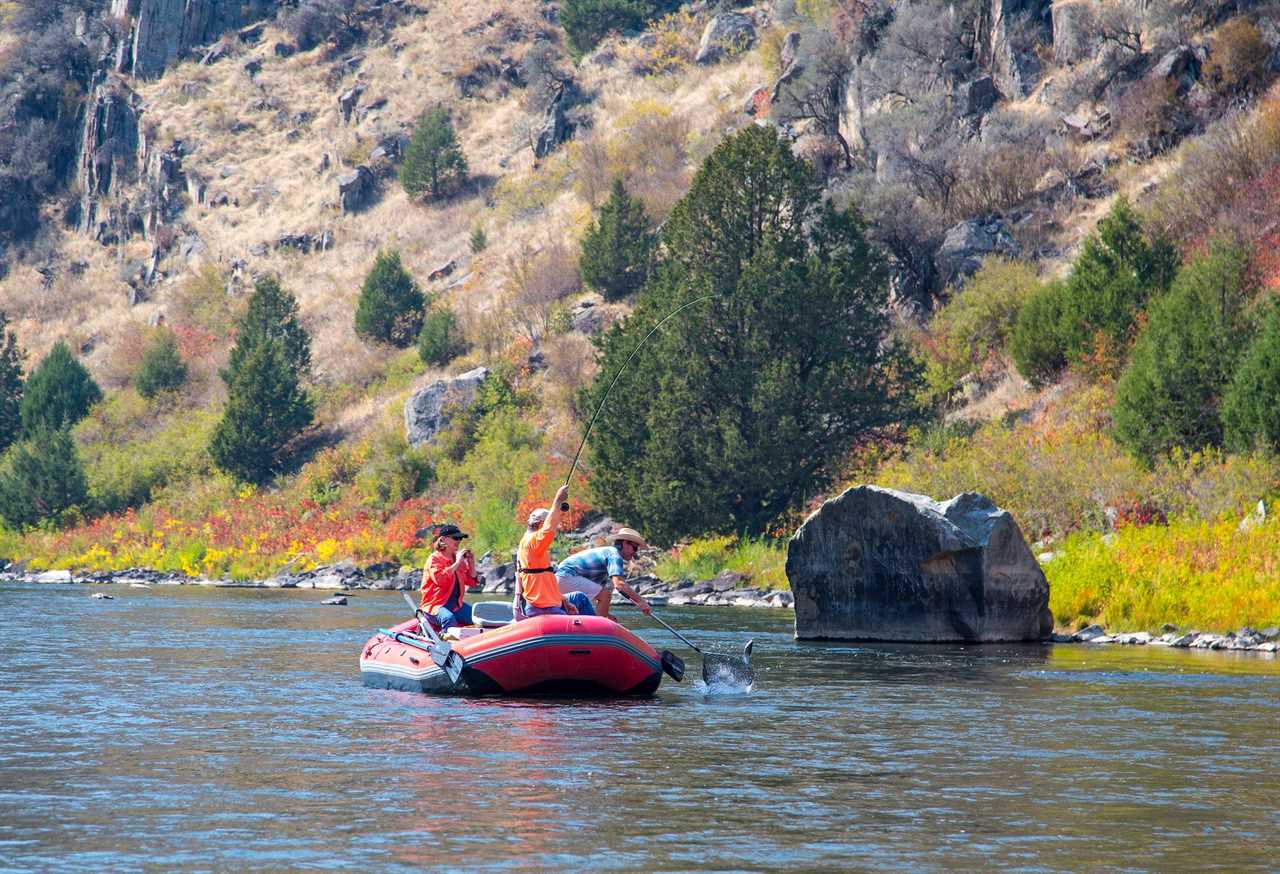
<point x="227" y="730"/>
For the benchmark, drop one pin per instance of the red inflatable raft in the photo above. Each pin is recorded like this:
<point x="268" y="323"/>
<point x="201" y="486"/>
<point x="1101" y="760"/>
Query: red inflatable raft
<point x="543" y="655"/>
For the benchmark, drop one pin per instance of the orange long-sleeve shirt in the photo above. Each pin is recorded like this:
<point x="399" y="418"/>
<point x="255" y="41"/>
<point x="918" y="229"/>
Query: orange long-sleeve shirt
<point x="439" y="583"/>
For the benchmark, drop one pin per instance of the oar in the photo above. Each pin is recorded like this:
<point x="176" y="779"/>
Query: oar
<point x="441" y="652"/>
<point x="715" y="666"/>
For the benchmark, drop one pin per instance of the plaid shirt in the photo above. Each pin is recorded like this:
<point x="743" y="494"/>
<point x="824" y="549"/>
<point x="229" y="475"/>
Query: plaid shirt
<point x="597" y="565"/>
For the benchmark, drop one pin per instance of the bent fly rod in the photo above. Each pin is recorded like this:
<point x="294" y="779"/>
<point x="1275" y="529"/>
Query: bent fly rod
<point x="564" y="507"/>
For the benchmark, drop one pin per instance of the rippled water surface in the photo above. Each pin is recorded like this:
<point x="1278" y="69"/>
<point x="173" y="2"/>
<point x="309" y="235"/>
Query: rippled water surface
<point x="227" y="730"/>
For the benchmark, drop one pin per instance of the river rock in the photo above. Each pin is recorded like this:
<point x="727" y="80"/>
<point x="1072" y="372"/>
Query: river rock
<point x="879" y="564"/>
<point x="54" y="577"/>
<point x="430" y="410"/>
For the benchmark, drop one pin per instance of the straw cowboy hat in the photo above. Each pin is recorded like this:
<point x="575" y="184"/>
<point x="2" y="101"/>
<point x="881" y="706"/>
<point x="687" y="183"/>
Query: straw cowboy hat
<point x="628" y="534"/>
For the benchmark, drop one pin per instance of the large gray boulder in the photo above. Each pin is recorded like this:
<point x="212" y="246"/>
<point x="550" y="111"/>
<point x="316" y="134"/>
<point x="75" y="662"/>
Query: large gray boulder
<point x="729" y="31"/>
<point x="430" y="410"/>
<point x="356" y="189"/>
<point x="878" y="564"/>
<point x="966" y="244"/>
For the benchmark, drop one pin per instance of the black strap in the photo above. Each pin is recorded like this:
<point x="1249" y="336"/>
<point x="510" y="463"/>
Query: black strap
<point x="536" y="570"/>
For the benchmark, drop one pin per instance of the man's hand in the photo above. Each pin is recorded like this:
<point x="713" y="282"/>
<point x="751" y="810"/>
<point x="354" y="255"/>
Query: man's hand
<point x="644" y="606"/>
<point x="569" y="608"/>
<point x="562" y="495"/>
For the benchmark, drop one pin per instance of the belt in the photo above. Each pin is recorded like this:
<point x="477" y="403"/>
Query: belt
<point x="536" y="570"/>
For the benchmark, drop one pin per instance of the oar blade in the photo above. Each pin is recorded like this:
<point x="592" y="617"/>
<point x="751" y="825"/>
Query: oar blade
<point x="450" y="661"/>
<point x="673" y="665"/>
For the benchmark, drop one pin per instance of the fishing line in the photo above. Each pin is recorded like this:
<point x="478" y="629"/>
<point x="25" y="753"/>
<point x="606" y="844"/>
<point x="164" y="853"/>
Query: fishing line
<point x="564" y="507"/>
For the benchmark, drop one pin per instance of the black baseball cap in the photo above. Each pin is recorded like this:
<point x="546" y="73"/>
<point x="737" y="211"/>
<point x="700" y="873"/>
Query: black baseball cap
<point x="451" y="531"/>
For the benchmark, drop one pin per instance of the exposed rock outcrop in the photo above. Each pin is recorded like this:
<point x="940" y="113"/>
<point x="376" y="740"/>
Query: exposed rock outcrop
<point x="878" y="564"/>
<point x="164" y="30"/>
<point x="1001" y="27"/>
<point x="109" y="148"/>
<point x="966" y="244"/>
<point x="729" y="31"/>
<point x="555" y="125"/>
<point x="430" y="410"/>
<point x="356" y="189"/>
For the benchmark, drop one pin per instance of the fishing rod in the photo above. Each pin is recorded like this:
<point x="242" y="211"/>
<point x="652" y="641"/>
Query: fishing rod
<point x="564" y="507"/>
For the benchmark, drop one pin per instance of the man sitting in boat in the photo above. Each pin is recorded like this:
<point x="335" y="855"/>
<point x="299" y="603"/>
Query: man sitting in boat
<point x="537" y="591"/>
<point x="446" y="578"/>
<point x="597" y="572"/>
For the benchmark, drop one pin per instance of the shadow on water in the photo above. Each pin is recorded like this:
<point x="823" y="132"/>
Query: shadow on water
<point x="228" y="730"/>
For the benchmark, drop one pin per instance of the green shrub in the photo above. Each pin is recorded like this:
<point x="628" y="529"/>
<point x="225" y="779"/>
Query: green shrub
<point x="1239" y="57"/>
<point x="1251" y="406"/>
<point x="11" y="356"/>
<point x="1169" y="394"/>
<point x="42" y="480"/>
<point x="1193" y="574"/>
<point x="58" y="393"/>
<point x="586" y="22"/>
<point x="618" y="246"/>
<point x="162" y="368"/>
<point x="433" y="162"/>
<point x="761" y="561"/>
<point x="493" y="476"/>
<point x="123" y="474"/>
<point x="479" y="240"/>
<point x="974" y="328"/>
<point x="393" y="471"/>
<point x="1060" y="471"/>
<point x="1115" y="274"/>
<point x="391" y="304"/>
<point x="441" y="338"/>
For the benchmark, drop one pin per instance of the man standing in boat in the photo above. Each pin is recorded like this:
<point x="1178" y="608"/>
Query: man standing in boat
<point x="537" y="591"/>
<point x="446" y="578"/>
<point x="597" y="572"/>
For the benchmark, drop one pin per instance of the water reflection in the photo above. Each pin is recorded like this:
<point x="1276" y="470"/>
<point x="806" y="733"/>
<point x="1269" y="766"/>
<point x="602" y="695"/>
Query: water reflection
<point x="227" y="730"/>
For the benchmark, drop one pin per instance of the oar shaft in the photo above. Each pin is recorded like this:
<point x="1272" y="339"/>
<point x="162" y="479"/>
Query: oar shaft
<point x="657" y="619"/>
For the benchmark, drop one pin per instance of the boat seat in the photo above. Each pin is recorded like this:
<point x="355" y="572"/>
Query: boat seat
<point x="492" y="614"/>
<point x="461" y="632"/>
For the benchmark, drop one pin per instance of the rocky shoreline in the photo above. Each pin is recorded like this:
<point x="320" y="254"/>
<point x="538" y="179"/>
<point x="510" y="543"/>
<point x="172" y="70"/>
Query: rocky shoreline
<point x="1265" y="641"/>
<point x="725" y="590"/>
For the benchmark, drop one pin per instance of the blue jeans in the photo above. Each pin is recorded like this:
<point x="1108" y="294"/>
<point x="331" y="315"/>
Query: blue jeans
<point x="461" y="615"/>
<point x="578" y="599"/>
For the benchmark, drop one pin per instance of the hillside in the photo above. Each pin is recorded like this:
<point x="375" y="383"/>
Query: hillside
<point x="268" y="142"/>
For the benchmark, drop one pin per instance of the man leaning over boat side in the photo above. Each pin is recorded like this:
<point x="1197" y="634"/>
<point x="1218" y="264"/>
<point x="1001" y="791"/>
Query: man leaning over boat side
<point x="597" y="572"/>
<point x="537" y="591"/>
<point x="446" y="578"/>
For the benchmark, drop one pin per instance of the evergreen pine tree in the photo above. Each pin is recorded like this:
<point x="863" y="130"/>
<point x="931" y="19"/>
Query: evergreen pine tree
<point x="162" y="368"/>
<point x="1251" y="406"/>
<point x="433" y="162"/>
<point x="42" y="479"/>
<point x="391" y="304"/>
<point x="1169" y="394"/>
<point x="740" y="406"/>
<point x="272" y="313"/>
<point x="58" y="393"/>
<point x="266" y="404"/>
<point x="11" y="356"/>
<point x="617" y="247"/>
